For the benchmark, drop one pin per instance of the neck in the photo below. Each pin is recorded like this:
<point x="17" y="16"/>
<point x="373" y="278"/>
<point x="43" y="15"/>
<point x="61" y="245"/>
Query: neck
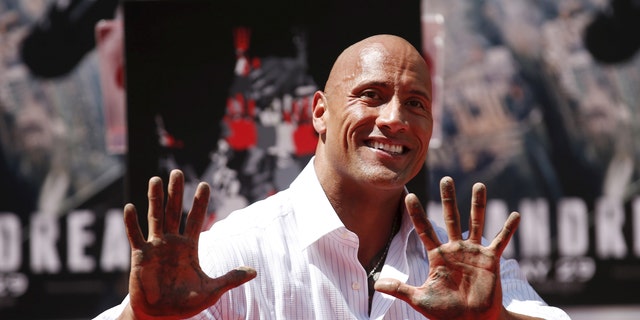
<point x="375" y="223"/>
<point x="366" y="209"/>
<point x="375" y="265"/>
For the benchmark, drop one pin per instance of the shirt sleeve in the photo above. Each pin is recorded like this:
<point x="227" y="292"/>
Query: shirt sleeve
<point x="517" y="293"/>
<point x="114" y="312"/>
<point x="520" y="297"/>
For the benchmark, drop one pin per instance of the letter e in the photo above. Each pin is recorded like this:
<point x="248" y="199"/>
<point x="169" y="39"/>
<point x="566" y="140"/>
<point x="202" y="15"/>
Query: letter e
<point x="78" y="239"/>
<point x="116" y="253"/>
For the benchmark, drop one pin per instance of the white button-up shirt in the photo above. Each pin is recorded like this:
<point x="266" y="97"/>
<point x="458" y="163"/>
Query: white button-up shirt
<point x="308" y="268"/>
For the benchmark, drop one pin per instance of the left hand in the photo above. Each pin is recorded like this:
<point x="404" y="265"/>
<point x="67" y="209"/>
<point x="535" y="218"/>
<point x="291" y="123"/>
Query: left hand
<point x="464" y="275"/>
<point x="166" y="280"/>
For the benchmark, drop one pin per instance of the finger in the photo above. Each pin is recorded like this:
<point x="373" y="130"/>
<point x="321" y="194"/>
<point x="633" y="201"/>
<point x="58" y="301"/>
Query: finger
<point x="450" y="208"/>
<point x="198" y="211"/>
<point x="134" y="233"/>
<point x="478" y="206"/>
<point x="155" y="214"/>
<point x="175" y="191"/>
<point x="501" y="241"/>
<point x="420" y="222"/>
<point x="228" y="281"/>
<point x="394" y="287"/>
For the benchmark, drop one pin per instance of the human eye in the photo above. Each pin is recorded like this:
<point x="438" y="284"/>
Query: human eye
<point x="370" y="94"/>
<point x="416" y="104"/>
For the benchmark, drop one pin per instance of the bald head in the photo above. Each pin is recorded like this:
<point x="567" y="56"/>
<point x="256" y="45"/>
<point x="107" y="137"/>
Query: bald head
<point x="374" y="116"/>
<point x="384" y="46"/>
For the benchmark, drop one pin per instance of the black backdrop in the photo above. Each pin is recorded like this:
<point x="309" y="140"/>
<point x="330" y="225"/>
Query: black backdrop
<point x="181" y="70"/>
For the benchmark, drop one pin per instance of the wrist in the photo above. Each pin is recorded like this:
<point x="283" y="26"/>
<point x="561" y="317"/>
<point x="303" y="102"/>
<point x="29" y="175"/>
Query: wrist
<point x="127" y="313"/>
<point x="508" y="315"/>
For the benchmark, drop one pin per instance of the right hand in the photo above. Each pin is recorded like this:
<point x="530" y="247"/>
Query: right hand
<point x="464" y="275"/>
<point x="166" y="281"/>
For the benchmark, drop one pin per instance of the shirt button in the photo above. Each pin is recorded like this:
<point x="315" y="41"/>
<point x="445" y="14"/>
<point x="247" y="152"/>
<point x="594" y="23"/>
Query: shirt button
<point x="355" y="286"/>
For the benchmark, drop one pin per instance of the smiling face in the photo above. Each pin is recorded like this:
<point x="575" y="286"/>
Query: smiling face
<point x="374" y="118"/>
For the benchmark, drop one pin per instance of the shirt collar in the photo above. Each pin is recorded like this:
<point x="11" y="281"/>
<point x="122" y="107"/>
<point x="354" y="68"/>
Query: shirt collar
<point x="314" y="214"/>
<point x="316" y="217"/>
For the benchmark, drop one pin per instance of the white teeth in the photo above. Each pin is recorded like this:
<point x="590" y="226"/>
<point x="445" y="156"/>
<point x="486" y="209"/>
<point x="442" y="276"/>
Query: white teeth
<point x="387" y="147"/>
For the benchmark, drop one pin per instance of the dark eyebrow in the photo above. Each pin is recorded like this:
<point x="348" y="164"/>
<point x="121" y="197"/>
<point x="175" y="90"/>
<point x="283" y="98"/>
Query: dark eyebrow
<point x="373" y="84"/>
<point x="382" y="84"/>
<point x="421" y="93"/>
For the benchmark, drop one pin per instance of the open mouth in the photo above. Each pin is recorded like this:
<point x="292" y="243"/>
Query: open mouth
<point x="394" y="149"/>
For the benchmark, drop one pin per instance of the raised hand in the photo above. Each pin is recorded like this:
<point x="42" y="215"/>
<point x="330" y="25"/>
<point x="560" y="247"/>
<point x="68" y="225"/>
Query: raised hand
<point x="464" y="275"/>
<point x="166" y="281"/>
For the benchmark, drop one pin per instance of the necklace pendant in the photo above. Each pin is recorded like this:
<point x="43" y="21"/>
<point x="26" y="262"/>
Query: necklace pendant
<point x="375" y="276"/>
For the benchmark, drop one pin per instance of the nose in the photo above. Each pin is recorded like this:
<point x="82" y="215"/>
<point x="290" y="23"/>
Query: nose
<point x="392" y="116"/>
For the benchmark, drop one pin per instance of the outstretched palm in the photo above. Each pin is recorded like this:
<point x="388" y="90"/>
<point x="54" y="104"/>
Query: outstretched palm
<point x="166" y="281"/>
<point x="464" y="275"/>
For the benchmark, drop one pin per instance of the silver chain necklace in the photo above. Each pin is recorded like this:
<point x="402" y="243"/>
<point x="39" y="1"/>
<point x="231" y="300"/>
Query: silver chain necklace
<point x="374" y="274"/>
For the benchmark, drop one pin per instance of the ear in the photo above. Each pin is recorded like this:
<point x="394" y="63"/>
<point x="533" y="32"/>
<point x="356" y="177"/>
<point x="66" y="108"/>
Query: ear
<point x="102" y="30"/>
<point x="319" y="112"/>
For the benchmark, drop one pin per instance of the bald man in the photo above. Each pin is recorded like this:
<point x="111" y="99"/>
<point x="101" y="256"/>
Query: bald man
<point x="346" y="240"/>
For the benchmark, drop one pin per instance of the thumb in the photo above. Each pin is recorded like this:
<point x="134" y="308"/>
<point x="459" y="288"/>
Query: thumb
<point x="232" y="279"/>
<point x="394" y="287"/>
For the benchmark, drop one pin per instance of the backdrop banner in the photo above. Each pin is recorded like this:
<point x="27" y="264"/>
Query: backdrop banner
<point x="63" y="247"/>
<point x="224" y="93"/>
<point x="553" y="133"/>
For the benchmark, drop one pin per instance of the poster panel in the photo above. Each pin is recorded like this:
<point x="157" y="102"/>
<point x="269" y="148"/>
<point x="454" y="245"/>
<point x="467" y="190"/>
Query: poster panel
<point x="224" y="93"/>
<point x="553" y="133"/>
<point x="61" y="190"/>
